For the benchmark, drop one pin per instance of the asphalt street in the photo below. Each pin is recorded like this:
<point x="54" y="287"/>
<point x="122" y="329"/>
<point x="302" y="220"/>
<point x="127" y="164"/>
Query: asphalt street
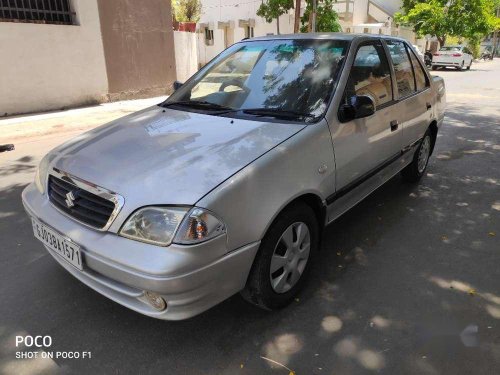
<point x="408" y="281"/>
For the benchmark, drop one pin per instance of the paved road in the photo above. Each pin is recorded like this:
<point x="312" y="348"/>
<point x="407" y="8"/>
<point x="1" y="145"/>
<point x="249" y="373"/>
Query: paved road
<point x="409" y="281"/>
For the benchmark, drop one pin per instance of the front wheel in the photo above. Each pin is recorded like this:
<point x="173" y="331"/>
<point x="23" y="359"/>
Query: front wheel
<point x="284" y="258"/>
<point x="416" y="169"/>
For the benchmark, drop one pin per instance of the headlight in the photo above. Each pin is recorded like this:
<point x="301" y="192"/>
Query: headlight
<point x="41" y="174"/>
<point x="154" y="225"/>
<point x="159" y="225"/>
<point x="198" y="226"/>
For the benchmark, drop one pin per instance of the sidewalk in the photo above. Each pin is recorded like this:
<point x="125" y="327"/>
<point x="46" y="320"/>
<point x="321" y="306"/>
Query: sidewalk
<point x="23" y="127"/>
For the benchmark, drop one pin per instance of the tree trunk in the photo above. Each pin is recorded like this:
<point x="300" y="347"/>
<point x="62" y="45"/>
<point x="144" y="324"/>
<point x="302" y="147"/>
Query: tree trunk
<point x="297" y="16"/>
<point x="441" y="40"/>
<point x="278" y="25"/>
<point x="495" y="45"/>
<point x="313" y="19"/>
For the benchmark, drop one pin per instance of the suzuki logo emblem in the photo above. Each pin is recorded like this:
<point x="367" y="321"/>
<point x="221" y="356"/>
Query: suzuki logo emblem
<point x="70" y="199"/>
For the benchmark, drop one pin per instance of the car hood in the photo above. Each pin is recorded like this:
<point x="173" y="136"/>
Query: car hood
<point x="165" y="156"/>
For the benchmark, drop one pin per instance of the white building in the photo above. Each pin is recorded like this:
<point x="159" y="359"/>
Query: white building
<point x="224" y="22"/>
<point x="374" y="17"/>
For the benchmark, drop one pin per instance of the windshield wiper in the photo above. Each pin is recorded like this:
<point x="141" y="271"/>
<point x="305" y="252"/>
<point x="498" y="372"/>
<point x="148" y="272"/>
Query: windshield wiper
<point x="201" y="104"/>
<point x="277" y="112"/>
<point x="222" y="110"/>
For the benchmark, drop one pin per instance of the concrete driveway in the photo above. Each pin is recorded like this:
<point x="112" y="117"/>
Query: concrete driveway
<point x="408" y="282"/>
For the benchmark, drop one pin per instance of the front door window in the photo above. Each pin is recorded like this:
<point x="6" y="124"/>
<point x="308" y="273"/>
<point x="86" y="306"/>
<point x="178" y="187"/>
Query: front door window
<point x="370" y="75"/>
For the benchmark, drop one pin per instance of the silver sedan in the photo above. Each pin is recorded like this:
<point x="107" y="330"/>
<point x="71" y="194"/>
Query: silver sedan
<point x="226" y="186"/>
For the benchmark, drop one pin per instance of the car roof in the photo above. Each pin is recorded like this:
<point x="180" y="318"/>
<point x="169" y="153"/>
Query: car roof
<point x="324" y="36"/>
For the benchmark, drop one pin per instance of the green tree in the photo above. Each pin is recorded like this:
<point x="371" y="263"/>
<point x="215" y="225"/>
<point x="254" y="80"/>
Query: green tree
<point x="327" y="19"/>
<point x="186" y="10"/>
<point x="410" y="4"/>
<point x="273" y="9"/>
<point x="443" y="18"/>
<point x="495" y="22"/>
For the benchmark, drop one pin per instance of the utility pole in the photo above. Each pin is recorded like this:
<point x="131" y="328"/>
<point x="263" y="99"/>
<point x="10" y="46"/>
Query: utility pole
<point x="297" y="16"/>
<point x="313" y="20"/>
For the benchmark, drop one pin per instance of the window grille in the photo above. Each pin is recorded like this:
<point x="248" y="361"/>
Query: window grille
<point x="249" y="32"/>
<point x="209" y="37"/>
<point x="37" y="11"/>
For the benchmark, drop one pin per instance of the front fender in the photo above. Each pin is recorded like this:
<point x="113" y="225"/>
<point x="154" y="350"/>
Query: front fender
<point x="251" y="199"/>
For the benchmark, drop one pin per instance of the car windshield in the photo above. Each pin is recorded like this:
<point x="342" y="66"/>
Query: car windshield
<point x="452" y="49"/>
<point x="266" y="78"/>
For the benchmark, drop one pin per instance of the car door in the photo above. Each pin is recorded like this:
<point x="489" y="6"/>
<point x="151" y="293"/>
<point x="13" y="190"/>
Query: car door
<point x="414" y="100"/>
<point x="365" y="144"/>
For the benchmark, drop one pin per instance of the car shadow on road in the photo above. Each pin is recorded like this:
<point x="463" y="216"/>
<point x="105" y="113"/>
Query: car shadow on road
<point x="21" y="165"/>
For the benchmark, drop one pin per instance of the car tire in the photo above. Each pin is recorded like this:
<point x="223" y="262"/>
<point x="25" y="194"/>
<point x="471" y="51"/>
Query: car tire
<point x="274" y="290"/>
<point x="434" y="67"/>
<point x="416" y="169"/>
<point x="468" y="68"/>
<point x="461" y="67"/>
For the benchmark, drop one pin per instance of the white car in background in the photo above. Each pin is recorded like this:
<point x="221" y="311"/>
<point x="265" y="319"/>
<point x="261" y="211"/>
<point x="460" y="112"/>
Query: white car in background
<point x="458" y="57"/>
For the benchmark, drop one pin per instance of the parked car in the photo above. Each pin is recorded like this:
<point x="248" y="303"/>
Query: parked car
<point x="226" y="186"/>
<point x="458" y="57"/>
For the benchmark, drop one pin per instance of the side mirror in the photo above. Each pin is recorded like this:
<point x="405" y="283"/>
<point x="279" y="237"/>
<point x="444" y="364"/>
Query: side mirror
<point x="358" y="106"/>
<point x="177" y="85"/>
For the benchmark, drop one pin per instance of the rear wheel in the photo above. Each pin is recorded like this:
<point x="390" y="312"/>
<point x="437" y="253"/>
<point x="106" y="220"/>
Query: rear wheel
<point x="468" y="68"/>
<point x="434" y="67"/>
<point x="461" y="67"/>
<point x="414" y="171"/>
<point x="282" y="263"/>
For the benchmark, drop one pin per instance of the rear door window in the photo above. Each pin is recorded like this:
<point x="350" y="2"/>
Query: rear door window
<point x="402" y="68"/>
<point x="420" y="76"/>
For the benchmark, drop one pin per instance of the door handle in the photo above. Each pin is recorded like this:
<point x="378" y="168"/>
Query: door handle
<point x="428" y="105"/>
<point x="394" y="125"/>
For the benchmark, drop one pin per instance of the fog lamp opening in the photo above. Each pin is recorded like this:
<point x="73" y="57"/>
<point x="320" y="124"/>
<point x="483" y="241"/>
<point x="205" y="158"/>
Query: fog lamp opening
<point x="156" y="301"/>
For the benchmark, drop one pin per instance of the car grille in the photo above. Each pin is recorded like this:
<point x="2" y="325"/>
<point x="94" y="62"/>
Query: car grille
<point x="87" y="207"/>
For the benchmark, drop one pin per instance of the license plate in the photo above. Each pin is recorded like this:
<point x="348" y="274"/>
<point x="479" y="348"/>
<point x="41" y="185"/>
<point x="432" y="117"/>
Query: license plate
<point x="66" y="249"/>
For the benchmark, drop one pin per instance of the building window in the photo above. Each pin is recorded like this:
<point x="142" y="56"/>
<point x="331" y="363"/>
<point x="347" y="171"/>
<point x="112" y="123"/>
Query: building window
<point x="37" y="11"/>
<point x="209" y="37"/>
<point x="248" y="32"/>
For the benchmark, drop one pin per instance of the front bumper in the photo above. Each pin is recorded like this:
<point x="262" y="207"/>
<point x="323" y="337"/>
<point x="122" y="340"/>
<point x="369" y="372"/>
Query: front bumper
<point x="191" y="279"/>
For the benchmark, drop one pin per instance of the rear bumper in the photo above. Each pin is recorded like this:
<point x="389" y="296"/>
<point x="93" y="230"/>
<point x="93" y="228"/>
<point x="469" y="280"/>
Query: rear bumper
<point x="191" y="279"/>
<point x="447" y="63"/>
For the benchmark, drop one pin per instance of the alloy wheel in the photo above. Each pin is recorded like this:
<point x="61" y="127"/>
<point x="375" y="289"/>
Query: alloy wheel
<point x="423" y="154"/>
<point x="290" y="257"/>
